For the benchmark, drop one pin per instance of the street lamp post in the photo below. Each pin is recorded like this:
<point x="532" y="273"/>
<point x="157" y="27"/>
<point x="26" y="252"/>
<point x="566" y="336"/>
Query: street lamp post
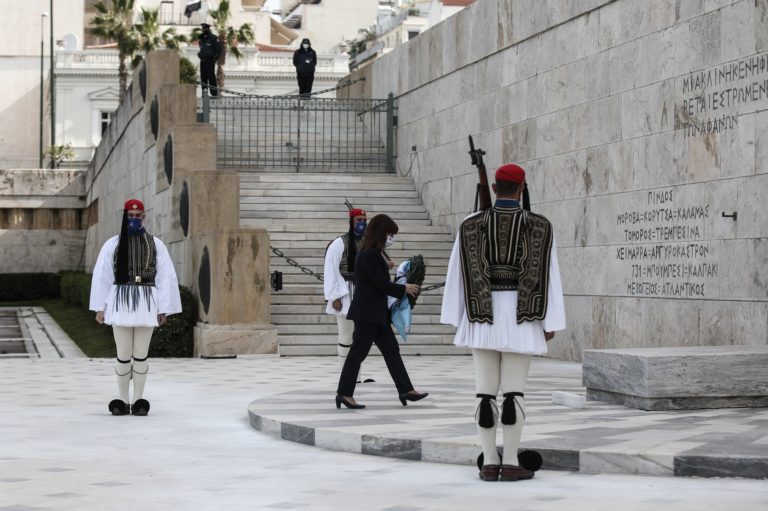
<point x="53" y="83"/>
<point x="42" y="83"/>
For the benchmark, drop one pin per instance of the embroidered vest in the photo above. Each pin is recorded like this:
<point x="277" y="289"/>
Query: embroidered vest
<point x="344" y="264"/>
<point x="506" y="249"/>
<point x="142" y="260"/>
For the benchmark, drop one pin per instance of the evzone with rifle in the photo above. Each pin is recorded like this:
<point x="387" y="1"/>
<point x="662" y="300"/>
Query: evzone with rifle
<point x="504" y="296"/>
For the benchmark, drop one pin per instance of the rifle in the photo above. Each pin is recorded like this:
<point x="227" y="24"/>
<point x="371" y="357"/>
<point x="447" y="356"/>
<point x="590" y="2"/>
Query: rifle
<point x="483" y="193"/>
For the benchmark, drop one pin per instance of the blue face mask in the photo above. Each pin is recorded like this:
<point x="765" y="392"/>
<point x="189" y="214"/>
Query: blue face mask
<point x="134" y="225"/>
<point x="360" y="228"/>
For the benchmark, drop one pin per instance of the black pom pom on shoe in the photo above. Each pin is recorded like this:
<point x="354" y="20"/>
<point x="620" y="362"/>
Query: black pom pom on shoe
<point x="118" y="407"/>
<point x="530" y="460"/>
<point x="140" y="407"/>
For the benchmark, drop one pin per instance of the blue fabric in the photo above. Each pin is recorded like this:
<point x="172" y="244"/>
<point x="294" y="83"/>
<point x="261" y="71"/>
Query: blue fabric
<point x="134" y="226"/>
<point x="402" y="317"/>
<point x="507" y="203"/>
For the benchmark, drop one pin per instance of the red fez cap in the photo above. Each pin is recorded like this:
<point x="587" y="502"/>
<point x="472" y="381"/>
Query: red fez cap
<point x="511" y="172"/>
<point x="356" y="212"/>
<point x="134" y="205"/>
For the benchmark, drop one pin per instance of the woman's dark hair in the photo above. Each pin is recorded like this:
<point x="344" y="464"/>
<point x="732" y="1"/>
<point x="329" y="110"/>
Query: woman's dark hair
<point x="377" y="231"/>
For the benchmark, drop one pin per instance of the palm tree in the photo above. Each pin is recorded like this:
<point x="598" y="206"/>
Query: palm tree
<point x="229" y="37"/>
<point x="150" y="37"/>
<point x="115" y="23"/>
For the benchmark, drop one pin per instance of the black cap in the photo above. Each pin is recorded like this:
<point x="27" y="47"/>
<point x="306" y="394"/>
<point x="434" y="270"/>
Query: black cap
<point x="205" y="25"/>
<point x="305" y="40"/>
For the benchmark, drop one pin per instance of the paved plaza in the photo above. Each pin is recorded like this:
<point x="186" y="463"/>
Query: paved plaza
<point x="196" y="450"/>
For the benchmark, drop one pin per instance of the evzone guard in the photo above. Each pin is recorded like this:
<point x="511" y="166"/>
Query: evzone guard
<point x="338" y="279"/>
<point x="503" y="294"/>
<point x="134" y="288"/>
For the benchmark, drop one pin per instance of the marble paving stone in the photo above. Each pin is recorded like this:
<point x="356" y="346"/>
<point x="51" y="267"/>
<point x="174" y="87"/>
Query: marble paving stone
<point x="391" y="447"/>
<point x="299" y="434"/>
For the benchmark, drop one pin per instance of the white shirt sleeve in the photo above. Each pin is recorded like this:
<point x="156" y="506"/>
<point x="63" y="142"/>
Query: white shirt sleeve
<point x="334" y="285"/>
<point x="103" y="275"/>
<point x="453" y="308"/>
<point x="166" y="283"/>
<point x="555" y="317"/>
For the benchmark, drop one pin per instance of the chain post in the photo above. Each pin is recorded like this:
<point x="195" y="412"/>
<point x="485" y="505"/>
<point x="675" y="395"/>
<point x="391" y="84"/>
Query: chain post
<point x="390" y="132"/>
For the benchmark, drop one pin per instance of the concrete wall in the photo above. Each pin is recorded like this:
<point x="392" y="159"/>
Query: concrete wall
<point x="640" y="124"/>
<point x="41" y="220"/>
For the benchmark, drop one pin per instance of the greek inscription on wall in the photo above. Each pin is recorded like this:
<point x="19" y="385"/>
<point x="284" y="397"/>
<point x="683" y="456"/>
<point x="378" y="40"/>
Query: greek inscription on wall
<point x="663" y="251"/>
<point x="711" y="100"/>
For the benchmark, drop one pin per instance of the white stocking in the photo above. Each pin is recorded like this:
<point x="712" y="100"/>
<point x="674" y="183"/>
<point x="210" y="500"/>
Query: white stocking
<point x="346" y="331"/>
<point x="514" y="373"/>
<point x="487" y="367"/>
<point x="141" y="338"/>
<point x="124" y="345"/>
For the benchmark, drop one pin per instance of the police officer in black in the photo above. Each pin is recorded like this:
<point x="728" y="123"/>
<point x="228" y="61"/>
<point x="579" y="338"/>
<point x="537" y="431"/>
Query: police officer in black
<point x="305" y="60"/>
<point x="210" y="49"/>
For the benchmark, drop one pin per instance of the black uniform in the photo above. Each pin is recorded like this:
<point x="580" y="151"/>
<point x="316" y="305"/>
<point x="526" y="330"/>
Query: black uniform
<point x="210" y="49"/>
<point x="370" y="314"/>
<point x="305" y="60"/>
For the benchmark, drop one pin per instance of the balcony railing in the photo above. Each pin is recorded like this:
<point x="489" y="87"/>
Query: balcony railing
<point x="252" y="60"/>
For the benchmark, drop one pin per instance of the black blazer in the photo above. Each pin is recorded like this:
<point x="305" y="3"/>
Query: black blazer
<point x="372" y="286"/>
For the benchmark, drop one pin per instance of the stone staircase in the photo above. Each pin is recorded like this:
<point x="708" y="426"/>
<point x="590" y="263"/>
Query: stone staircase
<point x="304" y="212"/>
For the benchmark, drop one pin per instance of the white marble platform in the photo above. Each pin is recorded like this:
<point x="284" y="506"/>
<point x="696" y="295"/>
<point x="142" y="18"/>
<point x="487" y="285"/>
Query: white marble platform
<point x="681" y="378"/>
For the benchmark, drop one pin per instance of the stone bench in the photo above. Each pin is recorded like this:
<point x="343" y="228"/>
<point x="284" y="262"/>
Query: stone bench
<point x="678" y="378"/>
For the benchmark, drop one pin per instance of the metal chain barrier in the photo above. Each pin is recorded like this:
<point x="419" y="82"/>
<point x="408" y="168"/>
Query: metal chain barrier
<point x="293" y="263"/>
<point x="331" y="89"/>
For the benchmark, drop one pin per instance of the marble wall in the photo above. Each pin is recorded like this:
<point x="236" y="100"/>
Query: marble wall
<point x="156" y="151"/>
<point x="41" y="218"/>
<point x="640" y="125"/>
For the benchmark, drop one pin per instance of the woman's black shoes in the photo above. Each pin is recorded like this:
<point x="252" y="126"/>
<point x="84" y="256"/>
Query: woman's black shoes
<point x="340" y="399"/>
<point x="118" y="407"/>
<point x="409" y="396"/>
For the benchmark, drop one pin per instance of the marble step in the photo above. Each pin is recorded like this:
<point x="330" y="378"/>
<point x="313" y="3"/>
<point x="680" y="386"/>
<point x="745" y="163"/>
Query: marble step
<point x="424" y="339"/>
<point x="327" y="319"/>
<point x="317" y="215"/>
<point x="336" y="226"/>
<point x="278" y="224"/>
<point x="341" y="178"/>
<point x="335" y="209"/>
<point x="312" y="330"/>
<point x="360" y="197"/>
<point x="298" y="183"/>
<point x="325" y="201"/>
<point x="398" y="254"/>
<point x="406" y="349"/>
<point x="435" y="265"/>
<point x="320" y="309"/>
<point x="426" y="240"/>
<point x="279" y="298"/>
<point x="294" y="276"/>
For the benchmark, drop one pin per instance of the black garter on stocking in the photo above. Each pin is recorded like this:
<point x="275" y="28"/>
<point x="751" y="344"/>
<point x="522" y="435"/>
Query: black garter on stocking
<point x="486" y="411"/>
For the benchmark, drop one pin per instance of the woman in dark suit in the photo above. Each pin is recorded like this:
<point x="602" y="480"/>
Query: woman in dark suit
<point x="370" y="313"/>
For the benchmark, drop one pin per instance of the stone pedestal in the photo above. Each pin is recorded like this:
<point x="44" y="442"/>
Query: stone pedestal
<point x="678" y="378"/>
<point x="217" y="340"/>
